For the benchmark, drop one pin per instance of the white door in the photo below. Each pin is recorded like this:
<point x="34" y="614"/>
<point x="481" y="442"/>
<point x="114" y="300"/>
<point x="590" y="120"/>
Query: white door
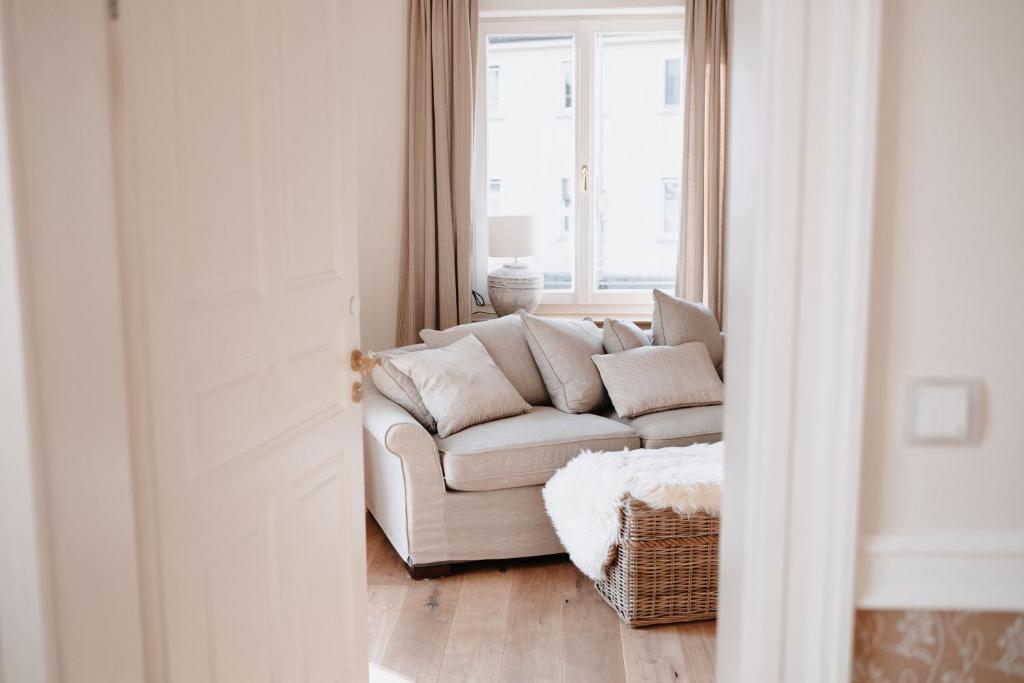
<point x="237" y="198"/>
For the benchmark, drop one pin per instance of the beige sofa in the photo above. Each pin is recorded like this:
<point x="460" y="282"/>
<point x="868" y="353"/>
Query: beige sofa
<point x="476" y="495"/>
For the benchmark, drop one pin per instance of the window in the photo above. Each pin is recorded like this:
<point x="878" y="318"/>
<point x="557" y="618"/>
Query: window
<point x="672" y="207"/>
<point x="494" y="196"/>
<point x="673" y="83"/>
<point x="586" y="163"/>
<point x="493" y="88"/>
<point x="563" y="236"/>
<point x="567" y="85"/>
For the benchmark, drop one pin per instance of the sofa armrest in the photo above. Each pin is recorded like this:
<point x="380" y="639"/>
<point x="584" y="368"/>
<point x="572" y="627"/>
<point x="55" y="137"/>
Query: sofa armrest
<point x="397" y="430"/>
<point x="405" y="488"/>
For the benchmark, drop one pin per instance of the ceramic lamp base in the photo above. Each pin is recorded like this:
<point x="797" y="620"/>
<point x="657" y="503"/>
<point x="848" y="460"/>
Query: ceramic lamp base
<point x="514" y="286"/>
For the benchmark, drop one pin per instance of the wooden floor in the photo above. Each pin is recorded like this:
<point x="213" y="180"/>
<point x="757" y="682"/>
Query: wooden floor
<point x="529" y="621"/>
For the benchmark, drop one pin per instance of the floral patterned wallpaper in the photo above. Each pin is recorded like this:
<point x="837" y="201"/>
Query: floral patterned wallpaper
<point x="895" y="646"/>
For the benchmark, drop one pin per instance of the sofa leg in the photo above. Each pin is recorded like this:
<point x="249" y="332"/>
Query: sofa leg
<point x="428" y="571"/>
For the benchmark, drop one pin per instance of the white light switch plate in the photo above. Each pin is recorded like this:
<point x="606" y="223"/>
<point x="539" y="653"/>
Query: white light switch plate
<point x="942" y="411"/>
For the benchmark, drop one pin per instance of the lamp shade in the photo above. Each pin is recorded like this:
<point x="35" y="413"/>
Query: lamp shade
<point x="512" y="236"/>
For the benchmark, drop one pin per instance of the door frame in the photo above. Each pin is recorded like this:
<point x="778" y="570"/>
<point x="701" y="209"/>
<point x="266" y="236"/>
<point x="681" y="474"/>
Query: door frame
<point x="25" y="653"/>
<point x="80" y="529"/>
<point x="783" y="305"/>
<point x="800" y="214"/>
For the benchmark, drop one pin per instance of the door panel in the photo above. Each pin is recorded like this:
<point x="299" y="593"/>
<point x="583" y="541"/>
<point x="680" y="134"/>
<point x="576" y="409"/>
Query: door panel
<point x="238" y="203"/>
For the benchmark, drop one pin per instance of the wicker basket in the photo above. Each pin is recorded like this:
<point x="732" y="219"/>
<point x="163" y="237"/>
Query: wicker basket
<point x="665" y="568"/>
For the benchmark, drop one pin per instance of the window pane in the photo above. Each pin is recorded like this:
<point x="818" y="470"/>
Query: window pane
<point x="531" y="143"/>
<point x="672" y="82"/>
<point x="493" y="88"/>
<point x="638" y="162"/>
<point x="672" y="207"/>
<point x="567" y="85"/>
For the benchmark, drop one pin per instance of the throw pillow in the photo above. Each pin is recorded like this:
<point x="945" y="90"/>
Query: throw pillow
<point x="505" y="341"/>
<point x="656" y="378"/>
<point x="399" y="387"/>
<point x="623" y="335"/>
<point x="563" y="350"/>
<point x="460" y="385"/>
<point x="678" y="321"/>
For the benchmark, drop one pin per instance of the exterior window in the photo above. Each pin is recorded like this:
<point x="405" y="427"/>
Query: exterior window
<point x="672" y="207"/>
<point x="494" y="196"/>
<point x="493" y="88"/>
<point x="673" y="83"/>
<point x="603" y="228"/>
<point x="567" y="85"/>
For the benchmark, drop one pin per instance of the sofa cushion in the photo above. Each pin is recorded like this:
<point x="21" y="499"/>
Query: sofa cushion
<point x="563" y="350"/>
<point x="680" y="427"/>
<point x="677" y="321"/>
<point x="399" y="387"/>
<point x="652" y="379"/>
<point x="622" y="335"/>
<point x="460" y="385"/>
<point x="505" y="339"/>
<point x="526" y="450"/>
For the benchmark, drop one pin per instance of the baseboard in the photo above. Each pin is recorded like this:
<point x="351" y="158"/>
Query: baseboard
<point x="980" y="570"/>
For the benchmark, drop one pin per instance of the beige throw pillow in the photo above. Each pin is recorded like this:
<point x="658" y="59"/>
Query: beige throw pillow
<point x="399" y="387"/>
<point x="460" y="385"/>
<point x="623" y="335"/>
<point x="656" y="378"/>
<point x="678" y="321"/>
<point x="505" y="341"/>
<point x="563" y="350"/>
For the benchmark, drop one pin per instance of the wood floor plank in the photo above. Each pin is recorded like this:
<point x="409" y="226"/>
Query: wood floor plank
<point x="383" y="565"/>
<point x="652" y="654"/>
<point x="384" y="604"/>
<point x="418" y="641"/>
<point x="590" y="631"/>
<point x="539" y="621"/>
<point x="699" y="658"/>
<point x="533" y="639"/>
<point x="477" y="641"/>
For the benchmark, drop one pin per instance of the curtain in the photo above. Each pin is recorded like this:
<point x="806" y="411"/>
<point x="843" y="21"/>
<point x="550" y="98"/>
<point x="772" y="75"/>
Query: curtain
<point x="700" y="272"/>
<point x="434" y="282"/>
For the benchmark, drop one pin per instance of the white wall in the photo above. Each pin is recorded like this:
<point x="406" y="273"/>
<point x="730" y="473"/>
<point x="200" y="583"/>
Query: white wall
<point x="947" y="283"/>
<point x="381" y="165"/>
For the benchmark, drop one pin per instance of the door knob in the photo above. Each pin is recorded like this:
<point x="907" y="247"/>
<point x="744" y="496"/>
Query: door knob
<point x="363" y="364"/>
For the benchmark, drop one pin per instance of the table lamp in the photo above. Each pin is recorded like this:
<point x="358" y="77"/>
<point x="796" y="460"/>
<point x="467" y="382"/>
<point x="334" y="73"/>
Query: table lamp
<point x="515" y="285"/>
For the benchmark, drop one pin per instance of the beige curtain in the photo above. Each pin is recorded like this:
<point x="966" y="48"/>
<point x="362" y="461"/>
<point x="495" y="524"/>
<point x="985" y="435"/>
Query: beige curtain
<point x="700" y="274"/>
<point x="434" y="284"/>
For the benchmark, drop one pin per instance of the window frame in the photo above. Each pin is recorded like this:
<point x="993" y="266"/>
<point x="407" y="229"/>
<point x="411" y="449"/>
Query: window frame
<point x="583" y="28"/>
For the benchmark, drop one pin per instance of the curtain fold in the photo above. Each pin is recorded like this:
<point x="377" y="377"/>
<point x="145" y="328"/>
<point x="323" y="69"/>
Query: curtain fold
<point x="434" y="282"/>
<point x="700" y="271"/>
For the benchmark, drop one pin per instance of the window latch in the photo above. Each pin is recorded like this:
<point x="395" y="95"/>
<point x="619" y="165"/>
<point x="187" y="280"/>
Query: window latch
<point x="585" y="174"/>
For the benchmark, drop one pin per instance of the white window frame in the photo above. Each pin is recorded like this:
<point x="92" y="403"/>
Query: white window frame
<point x="583" y="28"/>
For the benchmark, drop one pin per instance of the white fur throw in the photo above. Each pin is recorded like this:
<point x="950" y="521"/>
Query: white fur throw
<point x="584" y="497"/>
